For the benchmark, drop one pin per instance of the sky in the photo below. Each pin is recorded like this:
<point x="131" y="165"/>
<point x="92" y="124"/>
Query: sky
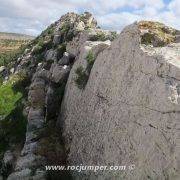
<point x="32" y="16"/>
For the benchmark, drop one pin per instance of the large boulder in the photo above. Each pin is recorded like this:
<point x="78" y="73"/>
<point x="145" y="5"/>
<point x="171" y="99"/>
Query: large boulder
<point x="128" y="112"/>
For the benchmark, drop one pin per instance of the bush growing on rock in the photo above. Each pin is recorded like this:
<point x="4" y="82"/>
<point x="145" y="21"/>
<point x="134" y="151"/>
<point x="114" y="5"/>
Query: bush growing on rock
<point x="113" y="35"/>
<point x="65" y="28"/>
<point x="100" y="36"/>
<point x="37" y="49"/>
<point x="90" y="60"/>
<point x="81" y="78"/>
<point x="60" y="50"/>
<point x="83" y="74"/>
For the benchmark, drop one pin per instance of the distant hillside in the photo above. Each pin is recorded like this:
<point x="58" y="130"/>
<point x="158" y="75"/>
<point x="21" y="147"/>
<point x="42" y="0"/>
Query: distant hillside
<point x="11" y="44"/>
<point x="15" y="36"/>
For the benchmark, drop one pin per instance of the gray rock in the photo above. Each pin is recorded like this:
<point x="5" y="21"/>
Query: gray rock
<point x="57" y="39"/>
<point x="35" y="124"/>
<point x="8" y="158"/>
<point x="12" y="70"/>
<point x="51" y="105"/>
<point x="128" y="112"/>
<point x="4" y="72"/>
<point x="51" y="55"/>
<point x="25" y="174"/>
<point x="29" y="161"/>
<point x="40" y="175"/>
<point x="177" y="40"/>
<point x="65" y="60"/>
<point x="2" y="68"/>
<point x="31" y="136"/>
<point x="29" y="148"/>
<point x="60" y="73"/>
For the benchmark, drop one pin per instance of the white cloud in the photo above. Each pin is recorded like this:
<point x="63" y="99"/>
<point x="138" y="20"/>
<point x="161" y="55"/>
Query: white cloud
<point x="169" y="15"/>
<point x="175" y="7"/>
<point x="32" y="16"/>
<point x="117" y="21"/>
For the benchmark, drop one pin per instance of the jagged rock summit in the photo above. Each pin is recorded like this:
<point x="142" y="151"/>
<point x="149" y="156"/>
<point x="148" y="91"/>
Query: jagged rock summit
<point x="98" y="98"/>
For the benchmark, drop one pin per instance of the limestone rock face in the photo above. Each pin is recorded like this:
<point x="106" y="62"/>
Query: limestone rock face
<point x="129" y="111"/>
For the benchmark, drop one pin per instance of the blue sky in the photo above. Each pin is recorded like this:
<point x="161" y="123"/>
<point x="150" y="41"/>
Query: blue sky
<point x="32" y="16"/>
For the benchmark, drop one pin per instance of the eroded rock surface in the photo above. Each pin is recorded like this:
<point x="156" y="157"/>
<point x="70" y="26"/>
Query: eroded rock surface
<point x="128" y="112"/>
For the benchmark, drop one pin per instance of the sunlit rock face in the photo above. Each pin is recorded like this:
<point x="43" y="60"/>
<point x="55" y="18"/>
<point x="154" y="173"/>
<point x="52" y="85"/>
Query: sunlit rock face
<point x="129" y="110"/>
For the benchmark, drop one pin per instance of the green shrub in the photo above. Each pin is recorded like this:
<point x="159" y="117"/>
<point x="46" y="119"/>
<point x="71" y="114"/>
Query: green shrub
<point x="82" y="77"/>
<point x="60" y="50"/>
<point x="8" y="99"/>
<point x="100" y="36"/>
<point x="69" y="36"/>
<point x="13" y="127"/>
<point x="42" y="44"/>
<point x="65" y="28"/>
<point x="49" y="30"/>
<point x="13" y="122"/>
<point x="7" y="57"/>
<point x="90" y="61"/>
<point x="113" y="35"/>
<point x="147" y="39"/>
<point x="37" y="49"/>
<point x="48" y="44"/>
<point x="11" y="92"/>
<point x="1" y="80"/>
<point x="90" y="58"/>
<point x="81" y="18"/>
<point x="40" y="57"/>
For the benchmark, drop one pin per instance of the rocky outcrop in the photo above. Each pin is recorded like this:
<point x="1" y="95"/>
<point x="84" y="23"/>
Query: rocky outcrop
<point x="128" y="112"/>
<point x="48" y="64"/>
<point x="120" y="103"/>
<point x="157" y="34"/>
<point x="29" y="164"/>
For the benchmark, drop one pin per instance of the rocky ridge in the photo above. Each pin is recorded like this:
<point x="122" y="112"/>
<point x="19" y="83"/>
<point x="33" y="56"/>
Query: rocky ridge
<point x="120" y="101"/>
<point x="47" y="63"/>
